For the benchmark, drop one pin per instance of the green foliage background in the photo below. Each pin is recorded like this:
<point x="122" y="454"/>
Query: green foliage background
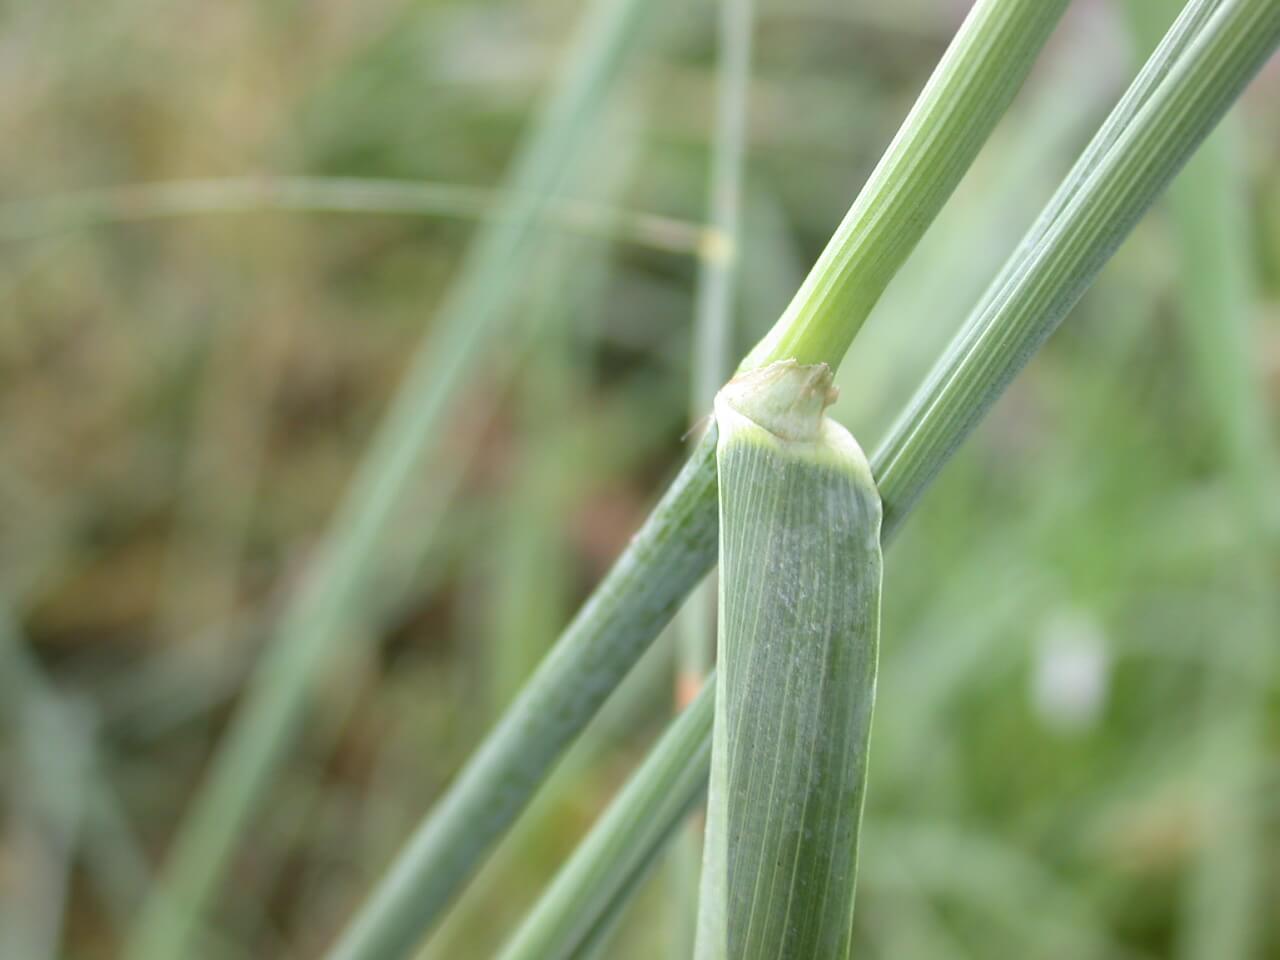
<point x="1078" y="734"/>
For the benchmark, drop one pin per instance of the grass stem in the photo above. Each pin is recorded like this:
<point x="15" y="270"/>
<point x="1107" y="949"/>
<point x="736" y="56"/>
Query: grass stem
<point x="985" y="65"/>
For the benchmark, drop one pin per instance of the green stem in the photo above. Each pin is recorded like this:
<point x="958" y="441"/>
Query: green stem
<point x="986" y="64"/>
<point x="1036" y="290"/>
<point x="587" y="891"/>
<point x="951" y="120"/>
<point x="273" y="705"/>
<point x="629" y="607"/>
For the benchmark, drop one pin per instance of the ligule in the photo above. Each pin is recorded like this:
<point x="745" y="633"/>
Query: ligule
<point x="797" y="646"/>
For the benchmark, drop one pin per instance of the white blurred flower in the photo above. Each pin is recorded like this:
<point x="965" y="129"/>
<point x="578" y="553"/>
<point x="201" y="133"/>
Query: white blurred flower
<point x="1071" y="672"/>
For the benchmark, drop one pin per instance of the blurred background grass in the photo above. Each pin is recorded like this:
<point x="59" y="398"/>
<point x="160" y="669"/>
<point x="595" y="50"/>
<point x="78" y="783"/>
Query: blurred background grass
<point x="1077" y="748"/>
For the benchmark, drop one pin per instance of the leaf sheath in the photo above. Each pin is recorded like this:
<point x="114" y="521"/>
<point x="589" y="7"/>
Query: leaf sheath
<point x="799" y="627"/>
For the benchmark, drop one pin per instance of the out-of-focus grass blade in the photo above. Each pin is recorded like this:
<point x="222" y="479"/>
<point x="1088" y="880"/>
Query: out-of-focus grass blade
<point x="46" y="823"/>
<point x="800" y="572"/>
<point x="70" y="785"/>
<point x="524" y="586"/>
<point x="1000" y="882"/>
<point x="966" y="95"/>
<point x="28" y="219"/>
<point x="1224" y="894"/>
<point x="274" y="701"/>
<point x="713" y="321"/>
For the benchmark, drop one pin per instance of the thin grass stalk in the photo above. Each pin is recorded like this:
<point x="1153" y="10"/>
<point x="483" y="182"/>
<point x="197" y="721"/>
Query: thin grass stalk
<point x="968" y="92"/>
<point x="496" y="784"/>
<point x="1030" y="298"/>
<point x="713" y="357"/>
<point x="597" y="943"/>
<point x="1185" y="28"/>
<point x="472" y="916"/>
<point x="585" y="893"/>
<point x="596" y="946"/>
<point x="983" y="68"/>
<point x="971" y="240"/>
<point x="521" y="583"/>
<point x="168" y="199"/>
<point x="273" y="706"/>
<point x="1015" y="323"/>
